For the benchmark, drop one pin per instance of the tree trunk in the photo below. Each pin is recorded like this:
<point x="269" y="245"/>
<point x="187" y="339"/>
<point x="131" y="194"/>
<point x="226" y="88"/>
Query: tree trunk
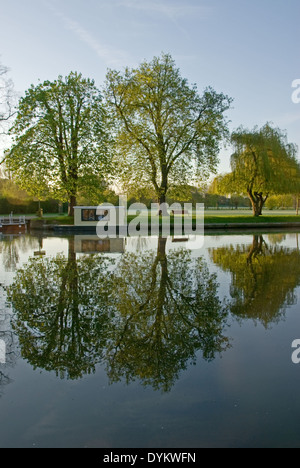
<point x="255" y="206"/>
<point x="257" y="201"/>
<point x="256" y="249"/>
<point x="162" y="198"/>
<point x="161" y="249"/>
<point x="72" y="203"/>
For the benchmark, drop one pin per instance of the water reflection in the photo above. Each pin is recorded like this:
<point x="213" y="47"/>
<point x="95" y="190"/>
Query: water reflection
<point x="144" y="316"/>
<point x="61" y="307"/>
<point x="12" y="353"/>
<point x="264" y="278"/>
<point x="11" y="246"/>
<point x="167" y="310"/>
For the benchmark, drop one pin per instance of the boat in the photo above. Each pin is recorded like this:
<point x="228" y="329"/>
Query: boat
<point x="11" y="225"/>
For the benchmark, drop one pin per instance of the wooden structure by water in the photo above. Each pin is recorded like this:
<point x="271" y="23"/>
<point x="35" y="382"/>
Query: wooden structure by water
<point x="11" y="225"/>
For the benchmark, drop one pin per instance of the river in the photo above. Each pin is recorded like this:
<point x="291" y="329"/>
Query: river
<point x="149" y="342"/>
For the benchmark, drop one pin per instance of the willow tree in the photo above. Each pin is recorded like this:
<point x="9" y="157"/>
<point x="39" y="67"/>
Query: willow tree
<point x="60" y="139"/>
<point x="263" y="164"/>
<point x="166" y="133"/>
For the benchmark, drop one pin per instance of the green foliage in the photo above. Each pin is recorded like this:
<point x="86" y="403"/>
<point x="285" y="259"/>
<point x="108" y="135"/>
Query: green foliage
<point x="13" y="199"/>
<point x="166" y="133"/>
<point x="264" y="279"/>
<point x="60" y="139"/>
<point x="280" y="202"/>
<point x="13" y="194"/>
<point x="264" y="164"/>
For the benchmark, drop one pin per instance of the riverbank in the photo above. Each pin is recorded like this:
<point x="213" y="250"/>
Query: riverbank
<point x="213" y="221"/>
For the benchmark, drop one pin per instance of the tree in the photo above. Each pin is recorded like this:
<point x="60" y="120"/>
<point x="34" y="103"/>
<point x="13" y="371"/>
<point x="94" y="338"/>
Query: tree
<point x="7" y="98"/>
<point x="60" y="139"/>
<point x="166" y="133"/>
<point x="264" y="163"/>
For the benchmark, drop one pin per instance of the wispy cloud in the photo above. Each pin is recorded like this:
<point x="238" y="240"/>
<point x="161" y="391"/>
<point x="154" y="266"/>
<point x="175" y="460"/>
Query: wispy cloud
<point x="173" y="11"/>
<point x="112" y="56"/>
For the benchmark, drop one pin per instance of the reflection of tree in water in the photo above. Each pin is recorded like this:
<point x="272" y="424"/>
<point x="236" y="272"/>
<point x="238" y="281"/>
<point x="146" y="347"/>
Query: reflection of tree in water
<point x="61" y="312"/>
<point x="264" y="279"/>
<point x="145" y="319"/>
<point x="11" y="246"/>
<point x="168" y="309"/>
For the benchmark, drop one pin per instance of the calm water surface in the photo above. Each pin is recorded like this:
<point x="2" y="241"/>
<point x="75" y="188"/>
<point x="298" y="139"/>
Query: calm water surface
<point x="152" y="343"/>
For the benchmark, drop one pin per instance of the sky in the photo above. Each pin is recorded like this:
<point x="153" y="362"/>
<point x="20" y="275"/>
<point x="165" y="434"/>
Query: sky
<point x="249" y="50"/>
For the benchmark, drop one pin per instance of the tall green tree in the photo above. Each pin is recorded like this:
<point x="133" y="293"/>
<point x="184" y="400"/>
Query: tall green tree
<point x="60" y="139"/>
<point x="264" y="163"/>
<point x="166" y="133"/>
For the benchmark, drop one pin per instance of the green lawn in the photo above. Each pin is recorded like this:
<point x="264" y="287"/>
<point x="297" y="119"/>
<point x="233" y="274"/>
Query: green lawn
<point x="241" y="217"/>
<point x="238" y="217"/>
<point x="52" y="220"/>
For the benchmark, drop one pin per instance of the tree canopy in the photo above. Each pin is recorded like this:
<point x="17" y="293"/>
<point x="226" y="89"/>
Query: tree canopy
<point x="264" y="163"/>
<point x="166" y="133"/>
<point x="60" y="139"/>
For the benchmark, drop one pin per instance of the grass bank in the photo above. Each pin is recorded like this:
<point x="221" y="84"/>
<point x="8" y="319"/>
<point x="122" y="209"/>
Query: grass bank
<point x="222" y="218"/>
<point x="234" y="218"/>
<point x="48" y="221"/>
<point x="249" y="219"/>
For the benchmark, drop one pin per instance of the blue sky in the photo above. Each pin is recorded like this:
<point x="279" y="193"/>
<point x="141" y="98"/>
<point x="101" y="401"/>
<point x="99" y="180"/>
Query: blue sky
<point x="249" y="50"/>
